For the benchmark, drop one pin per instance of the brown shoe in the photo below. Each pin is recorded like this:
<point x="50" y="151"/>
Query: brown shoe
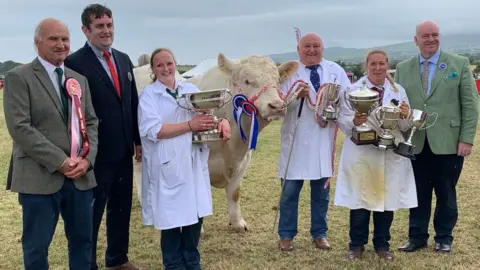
<point x="386" y="255"/>
<point x="322" y="243"/>
<point x="127" y="266"/>
<point x="355" y="254"/>
<point x="285" y="245"/>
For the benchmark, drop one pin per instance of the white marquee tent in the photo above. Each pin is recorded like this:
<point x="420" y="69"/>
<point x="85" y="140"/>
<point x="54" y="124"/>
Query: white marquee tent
<point x="201" y="68"/>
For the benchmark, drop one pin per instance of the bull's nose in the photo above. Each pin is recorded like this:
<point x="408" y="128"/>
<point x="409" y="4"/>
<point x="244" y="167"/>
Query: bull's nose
<point x="278" y="105"/>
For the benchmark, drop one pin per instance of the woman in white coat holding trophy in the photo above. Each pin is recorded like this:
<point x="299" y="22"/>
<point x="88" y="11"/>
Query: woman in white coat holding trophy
<point x="176" y="193"/>
<point x="371" y="176"/>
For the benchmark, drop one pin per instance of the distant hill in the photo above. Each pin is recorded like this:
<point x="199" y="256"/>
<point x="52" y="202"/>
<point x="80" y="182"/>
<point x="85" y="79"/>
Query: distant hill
<point x="6" y="66"/>
<point x="453" y="43"/>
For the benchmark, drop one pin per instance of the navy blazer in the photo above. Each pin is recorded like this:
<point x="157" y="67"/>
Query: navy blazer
<point x="118" y="124"/>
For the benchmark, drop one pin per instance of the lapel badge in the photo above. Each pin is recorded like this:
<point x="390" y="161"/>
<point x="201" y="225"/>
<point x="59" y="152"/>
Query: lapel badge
<point x="129" y="76"/>
<point x="442" y="66"/>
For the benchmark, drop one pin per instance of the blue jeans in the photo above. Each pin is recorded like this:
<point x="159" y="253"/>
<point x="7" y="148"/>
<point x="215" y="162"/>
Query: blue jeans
<point x="180" y="247"/>
<point x="319" y="198"/>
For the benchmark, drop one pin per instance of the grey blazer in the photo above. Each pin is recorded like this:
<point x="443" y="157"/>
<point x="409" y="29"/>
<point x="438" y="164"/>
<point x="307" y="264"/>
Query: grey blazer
<point x="40" y="132"/>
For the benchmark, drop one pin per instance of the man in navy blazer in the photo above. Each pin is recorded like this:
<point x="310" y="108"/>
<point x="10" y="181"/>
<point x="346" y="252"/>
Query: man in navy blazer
<point x="114" y="96"/>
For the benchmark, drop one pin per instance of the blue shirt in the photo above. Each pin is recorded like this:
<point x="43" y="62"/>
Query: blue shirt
<point x="102" y="59"/>
<point x="432" y="67"/>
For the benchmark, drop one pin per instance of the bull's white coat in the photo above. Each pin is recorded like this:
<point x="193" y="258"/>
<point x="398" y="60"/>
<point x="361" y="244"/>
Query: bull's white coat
<point x="229" y="161"/>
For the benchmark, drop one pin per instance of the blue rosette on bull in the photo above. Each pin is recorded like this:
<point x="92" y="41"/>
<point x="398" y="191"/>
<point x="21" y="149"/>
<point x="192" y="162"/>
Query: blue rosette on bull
<point x="241" y="105"/>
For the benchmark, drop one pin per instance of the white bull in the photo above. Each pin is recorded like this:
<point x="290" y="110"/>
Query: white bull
<point x="259" y="79"/>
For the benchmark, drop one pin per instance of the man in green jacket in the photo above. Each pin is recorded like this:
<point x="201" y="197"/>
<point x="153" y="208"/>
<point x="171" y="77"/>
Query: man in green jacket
<point x="438" y="82"/>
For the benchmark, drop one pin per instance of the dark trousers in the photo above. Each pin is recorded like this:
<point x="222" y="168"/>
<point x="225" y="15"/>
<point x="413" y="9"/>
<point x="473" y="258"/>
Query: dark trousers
<point x="40" y="218"/>
<point x="439" y="173"/>
<point x="114" y="190"/>
<point x="180" y="247"/>
<point x="359" y="222"/>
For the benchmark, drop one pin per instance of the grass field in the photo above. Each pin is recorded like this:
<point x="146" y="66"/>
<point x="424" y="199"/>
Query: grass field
<point x="222" y="248"/>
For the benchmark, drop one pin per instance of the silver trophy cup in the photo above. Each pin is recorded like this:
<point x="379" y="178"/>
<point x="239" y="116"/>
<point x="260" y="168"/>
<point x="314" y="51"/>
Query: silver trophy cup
<point x="416" y="119"/>
<point x="333" y="95"/>
<point x="206" y="102"/>
<point x="387" y="117"/>
<point x="362" y="101"/>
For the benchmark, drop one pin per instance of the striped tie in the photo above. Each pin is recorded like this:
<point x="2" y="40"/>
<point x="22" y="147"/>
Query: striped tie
<point x="425" y="76"/>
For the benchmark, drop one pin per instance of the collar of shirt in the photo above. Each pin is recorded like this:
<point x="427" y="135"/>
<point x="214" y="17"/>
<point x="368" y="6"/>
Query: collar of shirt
<point x="432" y="60"/>
<point x="50" y="67"/>
<point x="160" y="88"/>
<point x="97" y="52"/>
<point x="302" y="65"/>
<point x="370" y="84"/>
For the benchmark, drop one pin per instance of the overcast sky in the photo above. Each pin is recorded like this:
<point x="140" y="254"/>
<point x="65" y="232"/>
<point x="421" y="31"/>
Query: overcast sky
<point x="199" y="29"/>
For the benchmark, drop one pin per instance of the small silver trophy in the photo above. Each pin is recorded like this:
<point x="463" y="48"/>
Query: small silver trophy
<point x="333" y="95"/>
<point x="416" y="119"/>
<point x="206" y="102"/>
<point x="388" y="117"/>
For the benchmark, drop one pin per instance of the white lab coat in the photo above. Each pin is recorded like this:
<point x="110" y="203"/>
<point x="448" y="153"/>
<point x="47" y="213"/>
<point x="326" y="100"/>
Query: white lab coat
<point x="313" y="152"/>
<point x="175" y="178"/>
<point x="368" y="177"/>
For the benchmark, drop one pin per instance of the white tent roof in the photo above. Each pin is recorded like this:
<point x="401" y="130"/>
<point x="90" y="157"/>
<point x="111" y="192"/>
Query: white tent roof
<point x="201" y="68"/>
<point x="143" y="76"/>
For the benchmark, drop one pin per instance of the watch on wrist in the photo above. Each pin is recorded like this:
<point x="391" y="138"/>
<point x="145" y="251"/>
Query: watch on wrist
<point x="90" y="167"/>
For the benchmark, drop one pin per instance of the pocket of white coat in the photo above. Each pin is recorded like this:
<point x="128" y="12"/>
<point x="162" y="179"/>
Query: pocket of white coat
<point x="171" y="175"/>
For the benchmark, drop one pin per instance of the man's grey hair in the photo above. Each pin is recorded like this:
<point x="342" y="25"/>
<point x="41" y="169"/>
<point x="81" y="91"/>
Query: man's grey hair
<point x="39" y="28"/>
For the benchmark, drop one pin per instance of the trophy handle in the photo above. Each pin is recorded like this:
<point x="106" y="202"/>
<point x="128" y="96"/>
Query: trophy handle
<point x="408" y="117"/>
<point x="376" y="113"/>
<point x="339" y="90"/>
<point x="229" y="98"/>
<point x="185" y="98"/>
<point x="434" y="113"/>
<point x="346" y="100"/>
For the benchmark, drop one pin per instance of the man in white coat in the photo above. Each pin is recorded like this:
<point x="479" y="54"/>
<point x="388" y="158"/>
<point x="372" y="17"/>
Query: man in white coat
<point x="313" y="150"/>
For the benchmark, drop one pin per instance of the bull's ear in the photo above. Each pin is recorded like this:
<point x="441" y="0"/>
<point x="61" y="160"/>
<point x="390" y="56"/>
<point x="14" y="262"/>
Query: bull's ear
<point x="226" y="65"/>
<point x="287" y="69"/>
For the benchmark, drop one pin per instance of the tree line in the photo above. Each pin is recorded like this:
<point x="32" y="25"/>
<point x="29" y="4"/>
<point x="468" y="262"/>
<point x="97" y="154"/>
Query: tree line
<point x="356" y="68"/>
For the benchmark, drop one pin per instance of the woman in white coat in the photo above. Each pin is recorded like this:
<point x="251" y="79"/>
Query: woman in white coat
<point x="176" y="191"/>
<point x="370" y="179"/>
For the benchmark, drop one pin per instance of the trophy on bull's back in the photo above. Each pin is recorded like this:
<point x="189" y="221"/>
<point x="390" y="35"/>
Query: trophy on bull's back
<point x="363" y="101"/>
<point x="416" y="119"/>
<point x="206" y="102"/>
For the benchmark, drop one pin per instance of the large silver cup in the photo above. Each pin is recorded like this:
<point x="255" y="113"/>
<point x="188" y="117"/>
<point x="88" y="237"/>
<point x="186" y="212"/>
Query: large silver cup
<point x="416" y="119"/>
<point x="333" y="95"/>
<point x="206" y="102"/>
<point x="387" y="117"/>
<point x="363" y="101"/>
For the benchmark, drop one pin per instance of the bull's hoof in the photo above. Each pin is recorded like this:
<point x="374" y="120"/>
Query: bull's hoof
<point x="239" y="226"/>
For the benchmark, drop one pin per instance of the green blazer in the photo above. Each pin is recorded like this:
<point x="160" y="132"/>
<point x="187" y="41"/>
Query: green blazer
<point x="454" y="98"/>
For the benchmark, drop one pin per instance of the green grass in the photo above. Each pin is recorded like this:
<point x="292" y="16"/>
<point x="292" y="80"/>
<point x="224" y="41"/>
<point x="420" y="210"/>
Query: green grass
<point x="222" y="248"/>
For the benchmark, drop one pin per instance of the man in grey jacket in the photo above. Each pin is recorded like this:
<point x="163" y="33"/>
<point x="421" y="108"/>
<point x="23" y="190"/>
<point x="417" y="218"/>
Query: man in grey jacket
<point x="47" y="178"/>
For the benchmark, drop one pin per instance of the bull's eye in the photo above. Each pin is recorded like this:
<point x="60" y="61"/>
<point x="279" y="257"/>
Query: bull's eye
<point x="247" y="82"/>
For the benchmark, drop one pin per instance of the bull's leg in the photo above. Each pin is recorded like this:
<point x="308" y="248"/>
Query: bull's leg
<point x="233" y="196"/>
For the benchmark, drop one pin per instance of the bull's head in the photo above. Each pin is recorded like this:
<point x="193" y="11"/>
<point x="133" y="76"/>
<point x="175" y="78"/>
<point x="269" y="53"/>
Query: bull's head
<point x="259" y="79"/>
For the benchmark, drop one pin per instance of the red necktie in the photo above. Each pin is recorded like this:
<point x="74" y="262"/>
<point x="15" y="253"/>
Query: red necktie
<point x="380" y="91"/>
<point x="116" y="83"/>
